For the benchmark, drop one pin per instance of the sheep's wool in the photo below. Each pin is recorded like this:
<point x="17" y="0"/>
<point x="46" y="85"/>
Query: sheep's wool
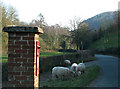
<point x="60" y="72"/>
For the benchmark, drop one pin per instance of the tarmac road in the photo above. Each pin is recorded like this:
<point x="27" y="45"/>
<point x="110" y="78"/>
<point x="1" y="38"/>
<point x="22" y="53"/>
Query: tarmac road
<point x="108" y="71"/>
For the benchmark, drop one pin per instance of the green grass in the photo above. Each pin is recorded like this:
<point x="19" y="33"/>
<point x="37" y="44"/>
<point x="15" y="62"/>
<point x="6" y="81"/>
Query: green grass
<point x="42" y="54"/>
<point x="4" y="58"/>
<point x="110" y="40"/>
<point x="85" y="79"/>
<point x="47" y="54"/>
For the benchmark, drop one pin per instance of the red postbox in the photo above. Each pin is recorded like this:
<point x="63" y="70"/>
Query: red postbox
<point x="37" y="57"/>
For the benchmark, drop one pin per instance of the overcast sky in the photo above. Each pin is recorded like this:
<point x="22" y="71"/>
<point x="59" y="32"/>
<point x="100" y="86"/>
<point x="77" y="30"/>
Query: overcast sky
<point x="61" y="11"/>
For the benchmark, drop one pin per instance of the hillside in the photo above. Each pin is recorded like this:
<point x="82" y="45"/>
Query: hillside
<point x="108" y="41"/>
<point x="103" y="19"/>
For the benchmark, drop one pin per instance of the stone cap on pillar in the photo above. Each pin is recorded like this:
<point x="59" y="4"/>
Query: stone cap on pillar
<point x="14" y="28"/>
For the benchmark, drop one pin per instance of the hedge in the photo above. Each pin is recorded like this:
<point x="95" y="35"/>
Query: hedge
<point x="46" y="64"/>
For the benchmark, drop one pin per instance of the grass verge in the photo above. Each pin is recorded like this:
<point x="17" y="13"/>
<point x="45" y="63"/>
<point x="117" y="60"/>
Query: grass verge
<point x="82" y="81"/>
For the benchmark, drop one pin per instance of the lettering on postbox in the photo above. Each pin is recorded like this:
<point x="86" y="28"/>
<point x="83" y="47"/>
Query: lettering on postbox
<point x="37" y="57"/>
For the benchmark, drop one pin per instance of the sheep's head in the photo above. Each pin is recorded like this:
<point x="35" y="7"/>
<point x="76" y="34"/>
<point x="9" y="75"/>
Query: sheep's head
<point x="67" y="62"/>
<point x="74" y="65"/>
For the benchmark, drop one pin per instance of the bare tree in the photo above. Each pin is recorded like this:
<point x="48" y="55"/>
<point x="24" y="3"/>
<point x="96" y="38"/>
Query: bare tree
<point x="80" y="34"/>
<point x="74" y="23"/>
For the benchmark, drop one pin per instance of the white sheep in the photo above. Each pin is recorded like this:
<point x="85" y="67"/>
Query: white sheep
<point x="80" y="67"/>
<point x="62" y="72"/>
<point x="73" y="67"/>
<point x="67" y="62"/>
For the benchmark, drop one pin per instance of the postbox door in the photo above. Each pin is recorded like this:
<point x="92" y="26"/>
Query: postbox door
<point x="37" y="57"/>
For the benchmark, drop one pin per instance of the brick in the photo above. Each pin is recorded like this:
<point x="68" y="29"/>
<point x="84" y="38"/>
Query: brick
<point x="10" y="77"/>
<point x="27" y="82"/>
<point x="20" y="69"/>
<point x="13" y="55"/>
<point x="10" y="59"/>
<point x="27" y="73"/>
<point x="27" y="64"/>
<point x="11" y="51"/>
<point x="10" y="68"/>
<point x="30" y="77"/>
<point x="30" y="50"/>
<point x="21" y="86"/>
<point x="21" y="59"/>
<point x="14" y="47"/>
<point x="15" y="38"/>
<point x="30" y="60"/>
<point x="14" y="73"/>
<point x="14" y="64"/>
<point x="30" y="69"/>
<point x="21" y="78"/>
<point x="13" y="82"/>
<point x="10" y="47"/>
<point x="27" y="47"/>
<point x="21" y="42"/>
<point x="21" y="51"/>
<point x="31" y="42"/>
<point x="30" y="55"/>
<point x="10" y="42"/>
<point x="28" y="38"/>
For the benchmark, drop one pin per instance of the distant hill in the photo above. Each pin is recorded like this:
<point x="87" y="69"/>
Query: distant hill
<point x="103" y="19"/>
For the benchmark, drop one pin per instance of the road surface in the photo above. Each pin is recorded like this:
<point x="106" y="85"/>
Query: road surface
<point x="108" y="76"/>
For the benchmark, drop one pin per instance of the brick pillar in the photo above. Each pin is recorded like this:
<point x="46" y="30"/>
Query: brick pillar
<point x="22" y="56"/>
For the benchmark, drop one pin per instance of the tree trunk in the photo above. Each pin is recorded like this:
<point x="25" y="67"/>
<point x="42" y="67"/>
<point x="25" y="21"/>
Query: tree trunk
<point x="77" y="47"/>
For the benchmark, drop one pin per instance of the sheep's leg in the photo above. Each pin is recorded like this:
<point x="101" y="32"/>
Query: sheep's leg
<point x="53" y="76"/>
<point x="62" y="77"/>
<point x="83" y="71"/>
<point x="56" y="76"/>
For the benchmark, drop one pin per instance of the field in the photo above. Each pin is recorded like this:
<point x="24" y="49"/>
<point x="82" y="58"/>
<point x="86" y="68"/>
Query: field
<point x="47" y="54"/>
<point x="90" y="74"/>
<point x="110" y="40"/>
<point x="42" y="54"/>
